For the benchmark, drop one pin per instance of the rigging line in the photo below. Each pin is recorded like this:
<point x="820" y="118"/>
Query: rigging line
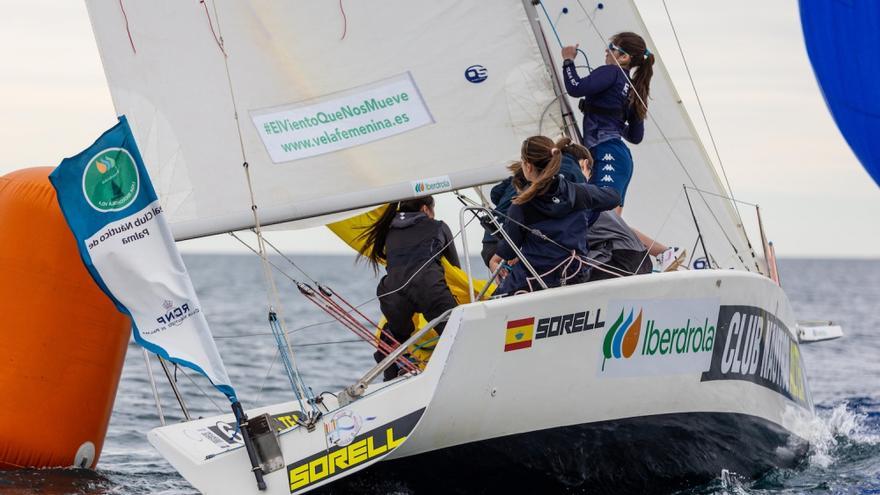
<point x="274" y="298"/>
<point x="662" y="226"/>
<point x="702" y="111"/>
<point x="585" y="259"/>
<point x="266" y="378"/>
<point x="669" y="143"/>
<point x="710" y="193"/>
<point x="340" y="315"/>
<point x="201" y="390"/>
<point x="211" y="25"/>
<point x="556" y="33"/>
<point x="127" y="30"/>
<point x="289" y="260"/>
<point x="344" y="21"/>
<point x="544" y="114"/>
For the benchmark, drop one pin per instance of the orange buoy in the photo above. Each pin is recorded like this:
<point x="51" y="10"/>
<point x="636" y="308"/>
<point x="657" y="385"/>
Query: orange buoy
<point x="62" y="341"/>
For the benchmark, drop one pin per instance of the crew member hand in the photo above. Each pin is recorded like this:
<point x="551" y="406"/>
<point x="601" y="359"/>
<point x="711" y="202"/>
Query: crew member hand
<point x="570" y="52"/>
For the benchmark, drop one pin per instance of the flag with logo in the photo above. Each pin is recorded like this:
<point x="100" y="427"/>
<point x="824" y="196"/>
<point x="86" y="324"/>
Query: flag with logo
<point x="127" y="246"/>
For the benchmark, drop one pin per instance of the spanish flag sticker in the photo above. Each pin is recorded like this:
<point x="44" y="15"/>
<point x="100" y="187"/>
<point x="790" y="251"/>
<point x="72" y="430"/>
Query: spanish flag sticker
<point x="519" y="334"/>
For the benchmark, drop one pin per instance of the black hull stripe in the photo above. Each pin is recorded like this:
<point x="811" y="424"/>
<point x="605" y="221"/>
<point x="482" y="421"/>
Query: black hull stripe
<point x="648" y="454"/>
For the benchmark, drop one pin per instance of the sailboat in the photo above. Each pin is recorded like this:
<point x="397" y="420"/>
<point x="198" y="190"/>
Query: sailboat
<point x="252" y="114"/>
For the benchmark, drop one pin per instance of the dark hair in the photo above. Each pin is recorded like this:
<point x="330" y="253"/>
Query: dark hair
<point x="546" y="157"/>
<point x="577" y="151"/>
<point x="375" y="235"/>
<point x="642" y="61"/>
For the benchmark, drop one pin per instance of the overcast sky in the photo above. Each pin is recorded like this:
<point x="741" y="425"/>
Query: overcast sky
<point x="777" y="140"/>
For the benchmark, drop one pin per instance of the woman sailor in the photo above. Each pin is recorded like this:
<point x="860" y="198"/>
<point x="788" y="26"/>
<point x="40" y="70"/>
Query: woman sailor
<point x="559" y="209"/>
<point x="410" y="242"/>
<point x="615" y="105"/>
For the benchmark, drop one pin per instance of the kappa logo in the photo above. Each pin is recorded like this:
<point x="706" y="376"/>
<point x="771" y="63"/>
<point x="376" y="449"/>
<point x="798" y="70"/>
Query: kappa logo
<point x="607" y="158"/>
<point x="623" y="336"/>
<point x="606" y="178"/>
<point x="608" y="168"/>
<point x="110" y="180"/>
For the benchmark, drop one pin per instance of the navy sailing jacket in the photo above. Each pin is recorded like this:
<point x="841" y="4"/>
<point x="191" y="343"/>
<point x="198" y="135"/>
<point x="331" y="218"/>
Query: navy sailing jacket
<point x="503" y="192"/>
<point x="608" y="115"/>
<point x="561" y="214"/>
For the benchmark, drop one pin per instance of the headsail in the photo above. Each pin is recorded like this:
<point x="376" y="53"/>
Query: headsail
<point x="671" y="154"/>
<point x="841" y="37"/>
<point x="336" y="109"/>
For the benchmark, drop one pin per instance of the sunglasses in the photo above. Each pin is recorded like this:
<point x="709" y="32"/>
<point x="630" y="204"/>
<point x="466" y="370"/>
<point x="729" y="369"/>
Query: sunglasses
<point x="612" y="47"/>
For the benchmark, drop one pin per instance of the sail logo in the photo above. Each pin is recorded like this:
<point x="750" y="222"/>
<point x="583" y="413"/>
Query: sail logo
<point x="655" y="337"/>
<point x="476" y="74"/>
<point x="754" y="345"/>
<point x="432" y="185"/>
<point x="622" y="338"/>
<point x="110" y="180"/>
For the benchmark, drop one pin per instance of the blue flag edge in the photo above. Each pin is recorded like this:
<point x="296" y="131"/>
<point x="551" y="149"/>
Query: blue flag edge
<point x="227" y="390"/>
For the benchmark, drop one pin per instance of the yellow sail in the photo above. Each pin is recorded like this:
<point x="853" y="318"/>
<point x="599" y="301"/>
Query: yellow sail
<point x="349" y="231"/>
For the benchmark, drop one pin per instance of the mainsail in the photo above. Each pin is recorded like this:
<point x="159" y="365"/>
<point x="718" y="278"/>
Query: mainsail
<point x="337" y="106"/>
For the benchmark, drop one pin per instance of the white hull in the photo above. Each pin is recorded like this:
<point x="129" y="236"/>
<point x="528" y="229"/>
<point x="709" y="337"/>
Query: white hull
<point x="547" y="410"/>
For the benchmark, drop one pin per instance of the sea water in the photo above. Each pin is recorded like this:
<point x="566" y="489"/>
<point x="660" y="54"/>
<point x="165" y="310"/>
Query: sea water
<point x="844" y="375"/>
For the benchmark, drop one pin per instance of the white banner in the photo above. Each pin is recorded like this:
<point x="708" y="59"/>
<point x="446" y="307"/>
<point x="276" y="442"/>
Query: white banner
<point x="140" y="265"/>
<point x="656" y="337"/>
<point x="343" y="120"/>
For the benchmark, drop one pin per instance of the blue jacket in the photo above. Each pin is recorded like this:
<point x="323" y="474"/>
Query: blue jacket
<point x="502" y="193"/>
<point x="561" y="214"/>
<point x="606" y="90"/>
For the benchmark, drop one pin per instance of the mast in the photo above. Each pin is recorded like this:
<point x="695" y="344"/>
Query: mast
<point x="569" y="125"/>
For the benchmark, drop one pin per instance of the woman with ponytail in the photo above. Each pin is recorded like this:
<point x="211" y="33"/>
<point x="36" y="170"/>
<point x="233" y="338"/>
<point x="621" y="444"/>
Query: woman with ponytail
<point x="575" y="159"/>
<point x="410" y="242"/>
<point x="548" y="202"/>
<point x="615" y="104"/>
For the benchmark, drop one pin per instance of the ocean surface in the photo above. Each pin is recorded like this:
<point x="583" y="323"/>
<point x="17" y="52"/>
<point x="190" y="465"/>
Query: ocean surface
<point x="844" y="375"/>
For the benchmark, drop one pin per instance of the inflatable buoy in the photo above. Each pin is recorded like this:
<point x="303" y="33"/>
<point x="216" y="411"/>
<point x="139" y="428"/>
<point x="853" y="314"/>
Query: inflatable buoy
<point x="62" y="341"/>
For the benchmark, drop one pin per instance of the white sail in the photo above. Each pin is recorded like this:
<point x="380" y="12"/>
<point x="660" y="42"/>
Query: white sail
<point x="671" y="154"/>
<point x="337" y="109"/>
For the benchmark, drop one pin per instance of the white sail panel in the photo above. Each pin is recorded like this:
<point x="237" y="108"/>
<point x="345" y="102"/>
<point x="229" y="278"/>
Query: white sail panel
<point x="655" y="203"/>
<point x="474" y="79"/>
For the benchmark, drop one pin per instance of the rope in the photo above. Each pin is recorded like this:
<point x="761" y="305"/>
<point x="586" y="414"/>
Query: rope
<point x="127" y="30"/>
<point x="668" y="143"/>
<point x="289" y="260"/>
<point x="344" y="21"/>
<point x="274" y="298"/>
<point x="585" y="259"/>
<point x="217" y="39"/>
<point x="201" y="390"/>
<point x="339" y="314"/>
<point x="700" y="105"/>
<point x="556" y="33"/>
